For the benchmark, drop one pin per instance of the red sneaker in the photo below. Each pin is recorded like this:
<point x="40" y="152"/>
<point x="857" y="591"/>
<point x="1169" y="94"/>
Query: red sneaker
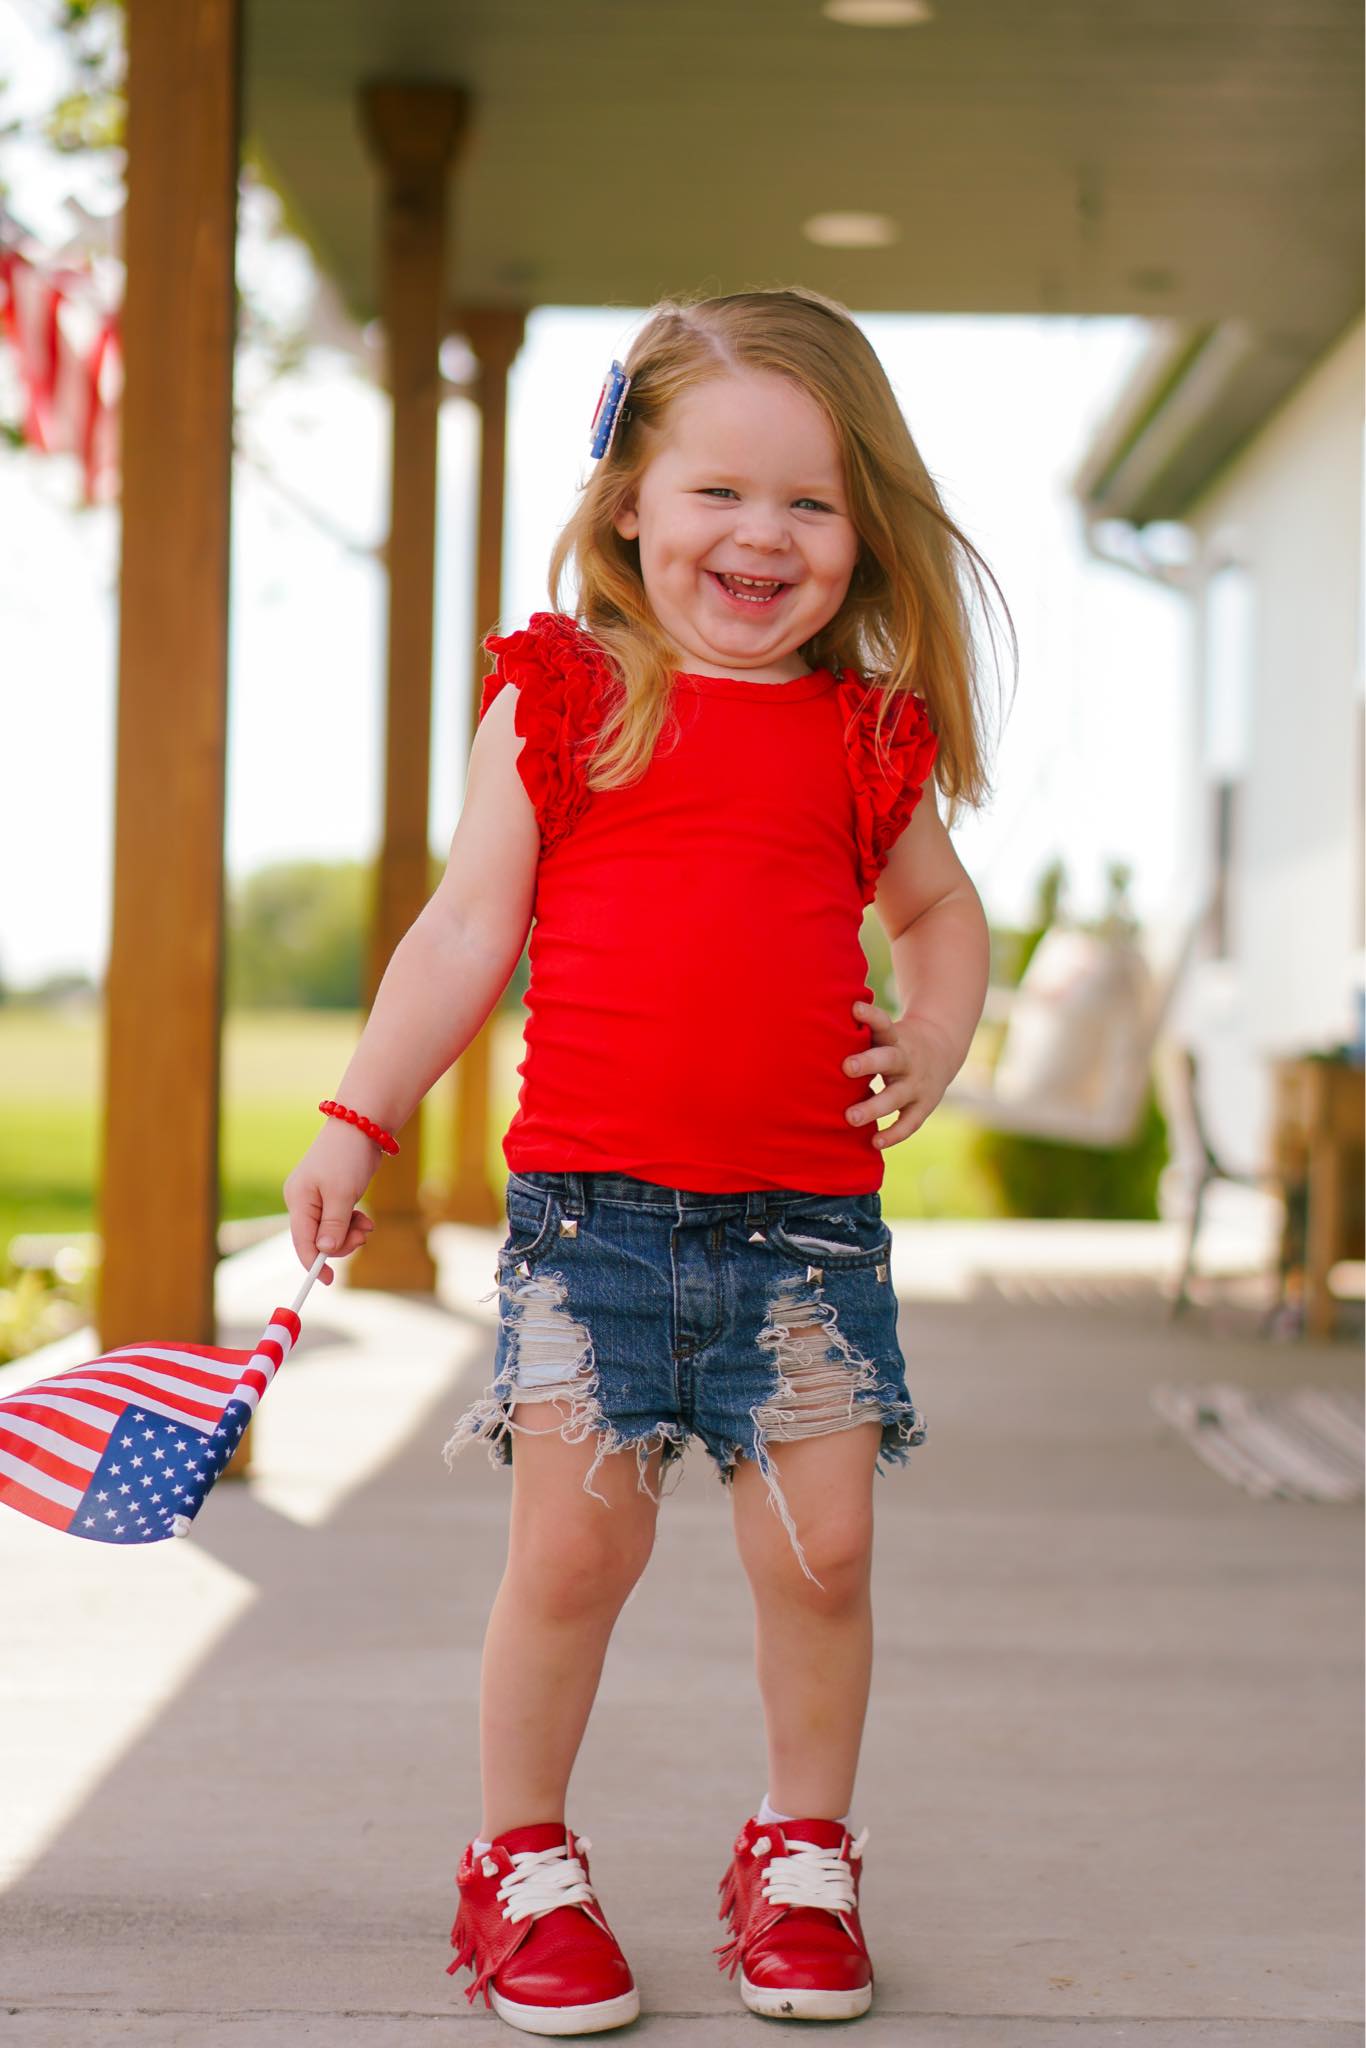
<point x="791" y="1897"/>
<point x="531" y="1929"/>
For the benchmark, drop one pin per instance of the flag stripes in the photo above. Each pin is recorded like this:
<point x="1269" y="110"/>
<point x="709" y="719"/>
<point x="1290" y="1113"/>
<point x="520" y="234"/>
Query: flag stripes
<point x="124" y="1449"/>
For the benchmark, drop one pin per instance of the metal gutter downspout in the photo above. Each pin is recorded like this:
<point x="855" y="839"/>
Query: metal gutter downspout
<point x="1181" y="387"/>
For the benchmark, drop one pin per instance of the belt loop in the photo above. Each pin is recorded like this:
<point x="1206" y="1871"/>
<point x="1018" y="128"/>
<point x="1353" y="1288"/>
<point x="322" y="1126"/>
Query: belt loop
<point x="756" y="1205"/>
<point x="573" y="1202"/>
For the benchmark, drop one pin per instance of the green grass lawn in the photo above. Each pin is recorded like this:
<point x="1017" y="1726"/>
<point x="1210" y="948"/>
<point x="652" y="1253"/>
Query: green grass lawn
<point x="277" y="1065"/>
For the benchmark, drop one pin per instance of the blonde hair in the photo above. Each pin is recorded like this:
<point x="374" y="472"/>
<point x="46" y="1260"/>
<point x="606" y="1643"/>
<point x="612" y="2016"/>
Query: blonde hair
<point x="906" y="618"/>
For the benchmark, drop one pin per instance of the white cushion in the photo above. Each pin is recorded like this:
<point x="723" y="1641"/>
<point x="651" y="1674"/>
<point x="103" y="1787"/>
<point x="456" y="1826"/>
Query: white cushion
<point x="1078" y="1026"/>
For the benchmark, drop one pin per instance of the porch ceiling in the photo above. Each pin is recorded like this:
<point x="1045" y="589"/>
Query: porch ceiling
<point x="1198" y="159"/>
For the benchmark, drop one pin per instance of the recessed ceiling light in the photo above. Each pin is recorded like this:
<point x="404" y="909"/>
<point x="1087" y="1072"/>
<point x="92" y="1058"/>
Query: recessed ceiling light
<point x="851" y="230"/>
<point x="878" y="13"/>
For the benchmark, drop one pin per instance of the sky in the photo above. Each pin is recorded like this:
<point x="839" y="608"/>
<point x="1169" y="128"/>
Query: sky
<point x="1001" y="409"/>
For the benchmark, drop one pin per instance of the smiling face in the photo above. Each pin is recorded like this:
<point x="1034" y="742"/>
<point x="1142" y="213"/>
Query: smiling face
<point x="745" y="481"/>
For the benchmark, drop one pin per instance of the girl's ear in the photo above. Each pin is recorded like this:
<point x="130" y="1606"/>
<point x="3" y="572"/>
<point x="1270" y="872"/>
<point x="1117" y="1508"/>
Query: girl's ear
<point x="627" y="521"/>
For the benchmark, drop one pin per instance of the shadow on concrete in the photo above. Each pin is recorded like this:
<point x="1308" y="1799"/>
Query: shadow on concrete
<point x="1111" y="1769"/>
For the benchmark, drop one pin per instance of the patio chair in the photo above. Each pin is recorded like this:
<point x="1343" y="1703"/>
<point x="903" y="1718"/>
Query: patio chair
<point x="1179" y="1071"/>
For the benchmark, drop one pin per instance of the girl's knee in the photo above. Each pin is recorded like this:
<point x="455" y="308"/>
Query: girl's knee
<point x="835" y="1540"/>
<point x="811" y="1501"/>
<point x="838" y="1553"/>
<point x="576" y="1550"/>
<point x="579" y="1564"/>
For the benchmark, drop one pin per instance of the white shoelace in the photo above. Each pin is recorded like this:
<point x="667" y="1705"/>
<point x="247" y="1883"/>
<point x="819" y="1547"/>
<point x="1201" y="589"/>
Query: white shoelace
<point x="810" y="1876"/>
<point x="542" y="1879"/>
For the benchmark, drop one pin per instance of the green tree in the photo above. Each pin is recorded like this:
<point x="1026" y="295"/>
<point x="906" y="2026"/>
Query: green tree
<point x="299" y="932"/>
<point x="296" y="935"/>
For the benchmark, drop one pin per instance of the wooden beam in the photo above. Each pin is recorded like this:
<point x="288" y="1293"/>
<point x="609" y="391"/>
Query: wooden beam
<point x="494" y="334"/>
<point x="163" y="993"/>
<point x="414" y="132"/>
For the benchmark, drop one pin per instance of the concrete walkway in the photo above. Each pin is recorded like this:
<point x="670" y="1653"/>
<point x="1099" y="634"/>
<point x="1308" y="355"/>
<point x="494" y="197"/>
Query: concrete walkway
<point x="1112" y="1764"/>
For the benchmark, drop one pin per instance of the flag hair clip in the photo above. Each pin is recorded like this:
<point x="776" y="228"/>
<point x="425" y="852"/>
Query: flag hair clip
<point x="615" y="386"/>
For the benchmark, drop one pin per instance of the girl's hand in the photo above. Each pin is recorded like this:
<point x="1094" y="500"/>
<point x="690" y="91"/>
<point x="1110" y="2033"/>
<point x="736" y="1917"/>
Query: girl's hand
<point x="916" y="1064"/>
<point x="322" y="1192"/>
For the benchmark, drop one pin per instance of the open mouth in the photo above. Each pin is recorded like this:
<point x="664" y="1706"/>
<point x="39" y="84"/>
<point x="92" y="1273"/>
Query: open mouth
<point x="753" y="593"/>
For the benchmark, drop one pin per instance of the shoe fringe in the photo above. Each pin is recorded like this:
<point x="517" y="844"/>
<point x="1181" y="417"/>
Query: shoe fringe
<point x="727" y="1953"/>
<point x="467" y="1958"/>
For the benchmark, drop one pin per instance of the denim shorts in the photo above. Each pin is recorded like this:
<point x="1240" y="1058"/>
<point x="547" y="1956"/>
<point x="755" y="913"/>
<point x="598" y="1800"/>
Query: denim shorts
<point x="652" y="1314"/>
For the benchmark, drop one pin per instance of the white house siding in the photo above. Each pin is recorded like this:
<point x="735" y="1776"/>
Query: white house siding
<point x="1289" y="511"/>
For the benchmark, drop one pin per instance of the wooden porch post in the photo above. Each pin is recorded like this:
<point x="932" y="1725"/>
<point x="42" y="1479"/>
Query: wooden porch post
<point x="414" y="131"/>
<point x="163" y="993"/>
<point x="495" y="335"/>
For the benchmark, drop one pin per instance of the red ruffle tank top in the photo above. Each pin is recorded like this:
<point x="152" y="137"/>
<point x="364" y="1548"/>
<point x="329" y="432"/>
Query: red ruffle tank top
<point x="695" y="952"/>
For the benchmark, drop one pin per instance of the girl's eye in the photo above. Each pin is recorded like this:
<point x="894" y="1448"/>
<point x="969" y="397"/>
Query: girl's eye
<point x="724" y="490"/>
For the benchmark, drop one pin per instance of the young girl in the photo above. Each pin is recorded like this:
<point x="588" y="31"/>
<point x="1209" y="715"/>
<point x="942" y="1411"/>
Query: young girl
<point x="697" y="782"/>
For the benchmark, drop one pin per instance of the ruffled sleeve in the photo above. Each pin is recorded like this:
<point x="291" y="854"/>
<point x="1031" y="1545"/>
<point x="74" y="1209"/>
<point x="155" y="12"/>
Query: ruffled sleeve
<point x="562" y="676"/>
<point x="889" y="777"/>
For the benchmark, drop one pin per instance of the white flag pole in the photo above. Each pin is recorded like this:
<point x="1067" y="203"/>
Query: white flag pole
<point x="313" y="1273"/>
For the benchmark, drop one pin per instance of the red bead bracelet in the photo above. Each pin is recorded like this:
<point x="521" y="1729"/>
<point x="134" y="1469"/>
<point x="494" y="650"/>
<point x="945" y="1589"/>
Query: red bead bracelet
<point x="384" y="1139"/>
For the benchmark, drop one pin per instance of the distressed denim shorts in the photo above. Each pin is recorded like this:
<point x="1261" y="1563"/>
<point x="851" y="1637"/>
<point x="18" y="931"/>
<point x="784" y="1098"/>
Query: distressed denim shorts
<point x="653" y="1314"/>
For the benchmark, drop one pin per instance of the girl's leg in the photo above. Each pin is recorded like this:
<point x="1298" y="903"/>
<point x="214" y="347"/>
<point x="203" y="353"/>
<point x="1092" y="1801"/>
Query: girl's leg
<point x="813" y="1644"/>
<point x="571" y="1563"/>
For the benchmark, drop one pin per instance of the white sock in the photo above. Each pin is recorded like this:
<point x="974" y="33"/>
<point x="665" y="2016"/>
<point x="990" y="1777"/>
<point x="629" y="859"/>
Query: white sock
<point x="769" y="1815"/>
<point x="481" y="1848"/>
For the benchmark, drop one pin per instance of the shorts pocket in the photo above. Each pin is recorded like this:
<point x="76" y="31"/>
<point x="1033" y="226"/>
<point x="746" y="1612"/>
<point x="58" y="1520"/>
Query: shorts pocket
<point x="843" y="1235"/>
<point x="532" y="1214"/>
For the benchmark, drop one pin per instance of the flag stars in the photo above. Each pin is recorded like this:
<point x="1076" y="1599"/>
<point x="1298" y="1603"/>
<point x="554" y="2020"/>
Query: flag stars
<point x="172" y="1460"/>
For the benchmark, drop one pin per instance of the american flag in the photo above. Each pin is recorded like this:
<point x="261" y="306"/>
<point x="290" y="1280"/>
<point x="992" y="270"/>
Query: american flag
<point x="124" y="1449"/>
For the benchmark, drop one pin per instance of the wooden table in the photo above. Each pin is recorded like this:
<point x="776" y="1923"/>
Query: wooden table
<point x="1318" y="1120"/>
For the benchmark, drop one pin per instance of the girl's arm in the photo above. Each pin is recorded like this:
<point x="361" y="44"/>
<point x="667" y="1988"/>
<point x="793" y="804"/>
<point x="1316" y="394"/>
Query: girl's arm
<point x="455" y="959"/>
<point x="442" y="980"/>
<point x="941" y="947"/>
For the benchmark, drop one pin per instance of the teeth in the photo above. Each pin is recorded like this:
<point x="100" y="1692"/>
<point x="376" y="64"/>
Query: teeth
<point x="766" y="585"/>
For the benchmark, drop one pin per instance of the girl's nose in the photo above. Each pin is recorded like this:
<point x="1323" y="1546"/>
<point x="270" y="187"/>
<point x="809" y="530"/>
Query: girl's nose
<point x="762" y="526"/>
